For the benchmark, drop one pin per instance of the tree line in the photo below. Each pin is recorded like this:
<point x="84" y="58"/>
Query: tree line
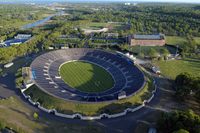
<point x="179" y="122"/>
<point x="151" y="19"/>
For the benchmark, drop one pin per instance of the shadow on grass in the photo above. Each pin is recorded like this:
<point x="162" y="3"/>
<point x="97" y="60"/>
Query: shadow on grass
<point x="114" y="108"/>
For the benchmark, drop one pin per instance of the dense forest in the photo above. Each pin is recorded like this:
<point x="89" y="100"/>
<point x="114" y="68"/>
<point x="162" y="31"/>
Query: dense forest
<point x="147" y="19"/>
<point x="172" y="19"/>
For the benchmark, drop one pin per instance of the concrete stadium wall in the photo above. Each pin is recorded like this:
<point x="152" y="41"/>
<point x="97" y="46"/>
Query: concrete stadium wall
<point x="101" y="116"/>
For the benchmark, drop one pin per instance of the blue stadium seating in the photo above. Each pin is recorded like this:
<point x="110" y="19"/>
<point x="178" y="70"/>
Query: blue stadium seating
<point x="127" y="77"/>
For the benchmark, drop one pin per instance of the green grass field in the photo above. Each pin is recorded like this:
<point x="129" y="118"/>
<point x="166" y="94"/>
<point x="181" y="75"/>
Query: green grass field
<point x="86" y="77"/>
<point x="94" y="25"/>
<point x="178" y="40"/>
<point x="174" y="67"/>
<point x="97" y="26"/>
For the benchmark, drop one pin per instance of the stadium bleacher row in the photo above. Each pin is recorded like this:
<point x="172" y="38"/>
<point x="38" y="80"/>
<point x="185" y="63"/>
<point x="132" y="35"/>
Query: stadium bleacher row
<point x="127" y="77"/>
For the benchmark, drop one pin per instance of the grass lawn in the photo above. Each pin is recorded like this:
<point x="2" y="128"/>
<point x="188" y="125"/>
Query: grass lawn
<point x="94" y="25"/>
<point x="86" y="77"/>
<point x="146" y="49"/>
<point x="16" y="115"/>
<point x="174" y="67"/>
<point x="119" y="26"/>
<point x="177" y="40"/>
<point x="197" y="39"/>
<point x="97" y="26"/>
<point x="88" y="109"/>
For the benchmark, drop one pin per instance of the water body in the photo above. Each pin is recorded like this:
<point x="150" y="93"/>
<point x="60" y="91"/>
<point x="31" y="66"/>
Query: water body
<point x="40" y="22"/>
<point x="14" y="41"/>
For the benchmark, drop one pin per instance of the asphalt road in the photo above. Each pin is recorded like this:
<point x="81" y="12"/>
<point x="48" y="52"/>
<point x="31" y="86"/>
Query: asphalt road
<point x="7" y="86"/>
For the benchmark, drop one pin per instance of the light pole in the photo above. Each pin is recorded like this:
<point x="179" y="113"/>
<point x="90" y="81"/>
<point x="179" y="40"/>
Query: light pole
<point x="176" y="50"/>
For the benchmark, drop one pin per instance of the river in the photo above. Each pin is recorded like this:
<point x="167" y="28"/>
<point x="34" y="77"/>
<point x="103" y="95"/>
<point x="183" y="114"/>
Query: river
<point x="40" y="22"/>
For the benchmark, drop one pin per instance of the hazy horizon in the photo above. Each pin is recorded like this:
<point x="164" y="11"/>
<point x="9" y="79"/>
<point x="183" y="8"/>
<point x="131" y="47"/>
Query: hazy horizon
<point x="44" y="1"/>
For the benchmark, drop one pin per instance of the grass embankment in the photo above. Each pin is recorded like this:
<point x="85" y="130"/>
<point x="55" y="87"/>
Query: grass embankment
<point x="86" y="77"/>
<point x="51" y="102"/>
<point x="174" y="67"/>
<point x="16" y="115"/>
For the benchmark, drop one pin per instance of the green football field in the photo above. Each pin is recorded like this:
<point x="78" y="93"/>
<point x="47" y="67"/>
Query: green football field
<point x="86" y="77"/>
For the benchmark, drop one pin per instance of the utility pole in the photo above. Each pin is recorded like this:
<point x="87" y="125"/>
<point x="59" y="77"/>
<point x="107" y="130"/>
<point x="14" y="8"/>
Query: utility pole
<point x="176" y="50"/>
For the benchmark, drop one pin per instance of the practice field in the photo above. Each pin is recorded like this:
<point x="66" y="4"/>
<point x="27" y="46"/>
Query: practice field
<point x="86" y="77"/>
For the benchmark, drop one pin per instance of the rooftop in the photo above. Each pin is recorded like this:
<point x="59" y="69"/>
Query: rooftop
<point x="149" y="37"/>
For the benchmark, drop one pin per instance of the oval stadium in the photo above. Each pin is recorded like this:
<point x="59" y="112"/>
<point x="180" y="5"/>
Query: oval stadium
<point x="86" y="75"/>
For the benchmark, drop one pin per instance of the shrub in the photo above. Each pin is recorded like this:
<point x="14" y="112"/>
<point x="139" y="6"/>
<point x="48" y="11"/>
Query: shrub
<point x="181" y="131"/>
<point x="35" y="115"/>
<point x="2" y="125"/>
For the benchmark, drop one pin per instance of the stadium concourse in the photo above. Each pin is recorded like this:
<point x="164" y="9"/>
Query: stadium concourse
<point x="127" y="77"/>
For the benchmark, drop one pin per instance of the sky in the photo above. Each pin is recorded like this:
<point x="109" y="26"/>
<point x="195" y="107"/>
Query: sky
<point x="184" y="1"/>
<point x="179" y="1"/>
